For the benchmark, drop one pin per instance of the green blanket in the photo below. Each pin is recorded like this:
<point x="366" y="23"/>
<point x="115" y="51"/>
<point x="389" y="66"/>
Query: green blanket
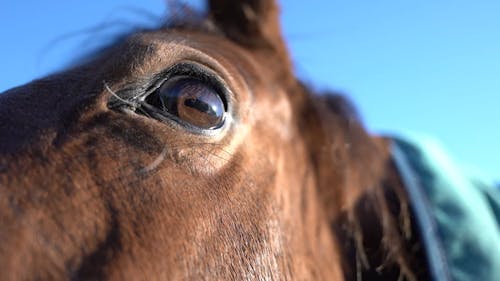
<point x="458" y="215"/>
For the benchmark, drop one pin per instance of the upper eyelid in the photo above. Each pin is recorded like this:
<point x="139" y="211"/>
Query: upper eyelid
<point x="187" y="68"/>
<point x="136" y="92"/>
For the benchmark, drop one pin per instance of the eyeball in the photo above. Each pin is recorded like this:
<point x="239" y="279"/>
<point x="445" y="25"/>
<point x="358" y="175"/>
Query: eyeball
<point x="191" y="100"/>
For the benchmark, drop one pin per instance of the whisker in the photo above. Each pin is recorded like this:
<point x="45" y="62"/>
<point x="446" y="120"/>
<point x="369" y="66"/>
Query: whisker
<point x="153" y="165"/>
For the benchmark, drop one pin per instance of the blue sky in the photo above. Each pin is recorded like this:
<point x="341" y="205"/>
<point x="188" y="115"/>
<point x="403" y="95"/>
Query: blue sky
<point x="421" y="66"/>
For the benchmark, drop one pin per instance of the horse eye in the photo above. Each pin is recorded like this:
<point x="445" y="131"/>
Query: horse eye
<point x="191" y="100"/>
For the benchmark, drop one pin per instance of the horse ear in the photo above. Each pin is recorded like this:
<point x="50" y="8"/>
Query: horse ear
<point x="252" y="23"/>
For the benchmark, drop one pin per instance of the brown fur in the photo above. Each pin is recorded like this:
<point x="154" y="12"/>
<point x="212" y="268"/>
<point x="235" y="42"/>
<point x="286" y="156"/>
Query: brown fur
<point x="295" y="189"/>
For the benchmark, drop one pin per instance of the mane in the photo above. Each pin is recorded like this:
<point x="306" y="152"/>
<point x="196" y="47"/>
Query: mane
<point x="377" y="232"/>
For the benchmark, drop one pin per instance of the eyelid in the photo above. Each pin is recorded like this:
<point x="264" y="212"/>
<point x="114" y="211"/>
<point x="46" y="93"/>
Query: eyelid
<point x="193" y="70"/>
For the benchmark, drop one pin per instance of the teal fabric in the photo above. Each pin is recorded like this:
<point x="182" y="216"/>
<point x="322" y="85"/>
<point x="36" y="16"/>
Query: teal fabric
<point x="458" y="215"/>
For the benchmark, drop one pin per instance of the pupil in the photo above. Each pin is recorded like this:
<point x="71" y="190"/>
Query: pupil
<point x="200" y="106"/>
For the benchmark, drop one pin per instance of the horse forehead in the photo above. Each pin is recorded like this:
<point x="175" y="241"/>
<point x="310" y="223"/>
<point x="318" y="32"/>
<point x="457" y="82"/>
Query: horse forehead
<point x="150" y="52"/>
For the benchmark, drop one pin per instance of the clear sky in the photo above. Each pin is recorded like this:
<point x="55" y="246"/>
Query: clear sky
<point x="423" y="66"/>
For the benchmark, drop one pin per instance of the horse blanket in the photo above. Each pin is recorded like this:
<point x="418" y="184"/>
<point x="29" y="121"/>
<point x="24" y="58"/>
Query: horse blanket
<point x="458" y="215"/>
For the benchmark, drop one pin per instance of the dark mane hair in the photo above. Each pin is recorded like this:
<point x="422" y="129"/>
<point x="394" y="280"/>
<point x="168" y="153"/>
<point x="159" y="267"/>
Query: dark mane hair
<point x="378" y="234"/>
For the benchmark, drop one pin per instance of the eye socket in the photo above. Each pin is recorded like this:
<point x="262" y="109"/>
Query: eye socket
<point x="191" y="100"/>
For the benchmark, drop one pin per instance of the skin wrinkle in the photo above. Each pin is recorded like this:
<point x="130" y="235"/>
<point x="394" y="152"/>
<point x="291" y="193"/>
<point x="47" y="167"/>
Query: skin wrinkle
<point x="293" y="188"/>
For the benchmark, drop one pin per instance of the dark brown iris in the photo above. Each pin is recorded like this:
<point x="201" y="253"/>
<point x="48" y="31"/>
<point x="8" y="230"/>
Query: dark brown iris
<point x="191" y="100"/>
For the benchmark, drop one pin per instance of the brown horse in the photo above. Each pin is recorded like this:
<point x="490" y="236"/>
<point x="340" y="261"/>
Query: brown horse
<point x="192" y="152"/>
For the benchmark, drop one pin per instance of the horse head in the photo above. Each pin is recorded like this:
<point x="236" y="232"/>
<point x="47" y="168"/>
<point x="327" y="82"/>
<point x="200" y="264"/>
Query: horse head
<point x="187" y="152"/>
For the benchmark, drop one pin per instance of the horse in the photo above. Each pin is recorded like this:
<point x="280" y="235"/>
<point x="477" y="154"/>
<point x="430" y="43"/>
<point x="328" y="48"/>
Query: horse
<point x="193" y="152"/>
